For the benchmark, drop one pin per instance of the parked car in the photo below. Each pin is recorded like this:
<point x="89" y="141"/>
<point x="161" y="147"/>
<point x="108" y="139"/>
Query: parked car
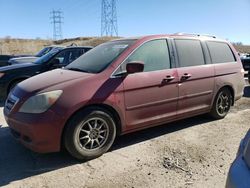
<point x="239" y="173"/>
<point x="4" y="59"/>
<point x="30" y="59"/>
<point x="57" y="58"/>
<point x="248" y="75"/>
<point x="123" y="86"/>
<point x="245" y="59"/>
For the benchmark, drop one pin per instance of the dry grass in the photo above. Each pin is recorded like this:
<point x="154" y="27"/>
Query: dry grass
<point x="243" y="48"/>
<point x="32" y="46"/>
<point x="22" y="46"/>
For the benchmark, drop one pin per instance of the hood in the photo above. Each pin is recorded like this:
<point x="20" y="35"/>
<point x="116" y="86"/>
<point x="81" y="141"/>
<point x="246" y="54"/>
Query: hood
<point x="16" y="66"/>
<point x="49" y="79"/>
<point x="22" y="60"/>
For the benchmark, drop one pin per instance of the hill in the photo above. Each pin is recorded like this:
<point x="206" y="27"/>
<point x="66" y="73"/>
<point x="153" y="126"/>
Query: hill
<point x="32" y="46"/>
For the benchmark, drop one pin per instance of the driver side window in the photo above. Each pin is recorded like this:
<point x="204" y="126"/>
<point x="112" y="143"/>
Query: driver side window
<point x="60" y="56"/>
<point x="154" y="54"/>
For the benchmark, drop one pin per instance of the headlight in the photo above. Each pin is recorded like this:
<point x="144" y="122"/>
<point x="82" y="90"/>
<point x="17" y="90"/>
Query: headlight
<point x="1" y="74"/>
<point x="40" y="102"/>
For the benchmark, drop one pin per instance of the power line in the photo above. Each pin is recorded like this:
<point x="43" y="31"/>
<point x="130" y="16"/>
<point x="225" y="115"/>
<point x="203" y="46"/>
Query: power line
<point x="56" y="17"/>
<point x="109" y="25"/>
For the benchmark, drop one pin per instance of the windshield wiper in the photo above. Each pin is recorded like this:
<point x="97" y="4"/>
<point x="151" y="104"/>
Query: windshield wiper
<point x="77" y="69"/>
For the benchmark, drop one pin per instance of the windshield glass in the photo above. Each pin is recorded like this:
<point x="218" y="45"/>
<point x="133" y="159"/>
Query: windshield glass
<point x="97" y="59"/>
<point x="43" y="51"/>
<point x="47" y="56"/>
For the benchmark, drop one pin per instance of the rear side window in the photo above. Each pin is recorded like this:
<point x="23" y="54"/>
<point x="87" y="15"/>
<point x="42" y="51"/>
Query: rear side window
<point x="220" y="52"/>
<point x="189" y="52"/>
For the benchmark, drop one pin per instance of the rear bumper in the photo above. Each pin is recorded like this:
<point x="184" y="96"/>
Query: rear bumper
<point x="40" y="133"/>
<point x="239" y="174"/>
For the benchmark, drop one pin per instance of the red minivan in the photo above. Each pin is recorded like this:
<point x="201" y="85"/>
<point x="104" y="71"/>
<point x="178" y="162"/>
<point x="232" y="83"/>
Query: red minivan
<point x="124" y="86"/>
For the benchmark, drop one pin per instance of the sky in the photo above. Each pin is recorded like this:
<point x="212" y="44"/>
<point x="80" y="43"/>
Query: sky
<point x="228" y="19"/>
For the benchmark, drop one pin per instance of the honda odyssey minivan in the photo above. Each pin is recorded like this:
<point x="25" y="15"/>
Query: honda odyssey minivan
<point x="124" y="86"/>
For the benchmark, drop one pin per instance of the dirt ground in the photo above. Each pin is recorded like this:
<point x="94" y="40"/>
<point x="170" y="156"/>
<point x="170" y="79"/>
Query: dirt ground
<point x="195" y="152"/>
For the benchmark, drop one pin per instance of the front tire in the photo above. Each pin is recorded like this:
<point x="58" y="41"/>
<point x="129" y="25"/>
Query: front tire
<point x="90" y="133"/>
<point x="222" y="104"/>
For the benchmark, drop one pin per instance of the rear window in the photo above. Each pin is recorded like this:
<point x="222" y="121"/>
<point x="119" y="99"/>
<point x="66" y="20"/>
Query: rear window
<point x="189" y="52"/>
<point x="220" y="52"/>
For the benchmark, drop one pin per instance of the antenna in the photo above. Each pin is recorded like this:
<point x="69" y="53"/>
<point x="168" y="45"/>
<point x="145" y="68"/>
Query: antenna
<point x="109" y="25"/>
<point x="56" y="17"/>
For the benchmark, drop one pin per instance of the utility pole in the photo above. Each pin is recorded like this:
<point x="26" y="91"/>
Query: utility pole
<point x="57" y="20"/>
<point x="109" y="25"/>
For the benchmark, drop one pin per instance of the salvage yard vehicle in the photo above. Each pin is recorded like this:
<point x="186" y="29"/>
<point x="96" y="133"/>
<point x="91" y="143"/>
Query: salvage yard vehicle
<point x="30" y="59"/>
<point x="123" y="86"/>
<point x="239" y="173"/>
<point x="4" y="59"/>
<point x="57" y="58"/>
<point x="245" y="59"/>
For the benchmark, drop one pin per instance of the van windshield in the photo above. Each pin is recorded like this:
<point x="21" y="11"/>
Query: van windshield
<point x="99" y="58"/>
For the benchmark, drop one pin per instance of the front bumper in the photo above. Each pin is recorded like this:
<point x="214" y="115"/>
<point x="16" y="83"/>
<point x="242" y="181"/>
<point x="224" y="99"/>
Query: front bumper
<point x="38" y="132"/>
<point x="239" y="174"/>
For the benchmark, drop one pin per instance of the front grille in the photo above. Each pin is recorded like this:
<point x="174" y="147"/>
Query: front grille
<point x="10" y="102"/>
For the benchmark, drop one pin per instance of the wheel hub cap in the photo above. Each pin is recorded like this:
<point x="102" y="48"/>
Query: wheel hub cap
<point x="223" y="103"/>
<point x="93" y="133"/>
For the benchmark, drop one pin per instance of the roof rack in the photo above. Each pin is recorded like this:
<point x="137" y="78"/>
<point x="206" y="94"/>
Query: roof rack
<point x="195" y="34"/>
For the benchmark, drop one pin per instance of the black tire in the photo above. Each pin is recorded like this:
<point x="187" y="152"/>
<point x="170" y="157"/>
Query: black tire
<point x="75" y="133"/>
<point x="222" y="104"/>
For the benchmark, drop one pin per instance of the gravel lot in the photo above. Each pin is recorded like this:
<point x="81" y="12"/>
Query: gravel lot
<point x="195" y="152"/>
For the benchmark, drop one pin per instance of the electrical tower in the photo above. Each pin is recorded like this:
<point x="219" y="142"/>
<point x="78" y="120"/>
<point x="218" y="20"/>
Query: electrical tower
<point x="57" y="20"/>
<point x="109" y="18"/>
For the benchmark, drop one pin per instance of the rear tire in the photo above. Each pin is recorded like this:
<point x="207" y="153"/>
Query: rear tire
<point x="90" y="133"/>
<point x="222" y="104"/>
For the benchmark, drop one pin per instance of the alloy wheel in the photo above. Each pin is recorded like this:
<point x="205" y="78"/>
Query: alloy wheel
<point x="93" y="133"/>
<point x="223" y="103"/>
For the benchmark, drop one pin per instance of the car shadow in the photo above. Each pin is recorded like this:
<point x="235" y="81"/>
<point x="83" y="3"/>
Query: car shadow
<point x="17" y="162"/>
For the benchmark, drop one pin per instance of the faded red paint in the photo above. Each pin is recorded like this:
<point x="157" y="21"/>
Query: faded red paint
<point x="141" y="100"/>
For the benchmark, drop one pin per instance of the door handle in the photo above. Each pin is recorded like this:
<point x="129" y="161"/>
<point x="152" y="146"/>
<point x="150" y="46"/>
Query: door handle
<point x="186" y="76"/>
<point x="168" y="78"/>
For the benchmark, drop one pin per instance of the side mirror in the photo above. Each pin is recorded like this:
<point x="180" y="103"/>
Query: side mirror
<point x="134" y="67"/>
